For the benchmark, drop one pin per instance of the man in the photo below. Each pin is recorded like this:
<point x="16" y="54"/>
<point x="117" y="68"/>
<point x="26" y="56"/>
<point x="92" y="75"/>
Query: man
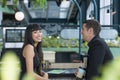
<point x="98" y="53"/>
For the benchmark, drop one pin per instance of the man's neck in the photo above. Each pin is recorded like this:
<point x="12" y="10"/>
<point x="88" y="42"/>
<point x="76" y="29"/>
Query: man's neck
<point x="91" y="37"/>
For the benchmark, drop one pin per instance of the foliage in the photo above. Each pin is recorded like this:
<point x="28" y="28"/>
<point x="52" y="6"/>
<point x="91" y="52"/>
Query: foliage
<point x="4" y="2"/>
<point x="114" y="43"/>
<point x="9" y="66"/>
<point x="56" y="41"/>
<point x="52" y="41"/>
<point x="110" y="71"/>
<point x="41" y="3"/>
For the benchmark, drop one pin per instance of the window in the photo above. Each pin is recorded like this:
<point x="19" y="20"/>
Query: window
<point x="15" y="35"/>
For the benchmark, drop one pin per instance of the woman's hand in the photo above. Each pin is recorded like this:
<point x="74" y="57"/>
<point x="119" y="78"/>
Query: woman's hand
<point x="45" y="75"/>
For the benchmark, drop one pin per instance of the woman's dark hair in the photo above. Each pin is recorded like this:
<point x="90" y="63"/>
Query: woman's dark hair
<point x="93" y="24"/>
<point x="29" y="40"/>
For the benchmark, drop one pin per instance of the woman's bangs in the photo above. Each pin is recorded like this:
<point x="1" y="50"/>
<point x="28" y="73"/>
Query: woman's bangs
<point x="35" y="27"/>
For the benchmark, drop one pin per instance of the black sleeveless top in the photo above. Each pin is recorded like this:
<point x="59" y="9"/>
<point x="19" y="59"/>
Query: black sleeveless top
<point x="23" y="65"/>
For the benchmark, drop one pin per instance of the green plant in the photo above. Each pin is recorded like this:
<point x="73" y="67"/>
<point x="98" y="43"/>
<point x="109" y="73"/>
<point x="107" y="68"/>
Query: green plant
<point x="110" y="71"/>
<point x="56" y="41"/>
<point x="114" y="43"/>
<point x="51" y="41"/>
<point x="41" y="3"/>
<point x="4" y="2"/>
<point x="9" y="66"/>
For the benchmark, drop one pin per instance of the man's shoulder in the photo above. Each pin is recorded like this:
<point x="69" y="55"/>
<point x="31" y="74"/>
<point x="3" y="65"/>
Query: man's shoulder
<point x="99" y="41"/>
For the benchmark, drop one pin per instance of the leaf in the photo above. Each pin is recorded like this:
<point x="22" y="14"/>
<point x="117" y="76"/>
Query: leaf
<point x="41" y="3"/>
<point x="4" y="3"/>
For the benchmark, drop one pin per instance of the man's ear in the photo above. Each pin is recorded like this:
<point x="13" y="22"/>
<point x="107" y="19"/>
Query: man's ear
<point x="90" y="30"/>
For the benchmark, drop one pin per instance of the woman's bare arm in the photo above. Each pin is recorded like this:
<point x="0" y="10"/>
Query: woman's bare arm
<point x="28" y="53"/>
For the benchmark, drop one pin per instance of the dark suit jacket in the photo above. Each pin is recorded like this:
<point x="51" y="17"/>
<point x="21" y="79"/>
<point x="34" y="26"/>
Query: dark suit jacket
<point x="98" y="54"/>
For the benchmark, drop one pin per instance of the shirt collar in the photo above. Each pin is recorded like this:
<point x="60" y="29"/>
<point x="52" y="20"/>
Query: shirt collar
<point x="90" y="43"/>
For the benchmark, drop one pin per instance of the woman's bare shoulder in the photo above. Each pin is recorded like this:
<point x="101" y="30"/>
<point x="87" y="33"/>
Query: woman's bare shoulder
<point x="28" y="49"/>
<point x="29" y="46"/>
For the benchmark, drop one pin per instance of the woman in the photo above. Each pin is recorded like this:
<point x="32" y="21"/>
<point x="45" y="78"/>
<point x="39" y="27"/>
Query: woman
<point x="32" y="56"/>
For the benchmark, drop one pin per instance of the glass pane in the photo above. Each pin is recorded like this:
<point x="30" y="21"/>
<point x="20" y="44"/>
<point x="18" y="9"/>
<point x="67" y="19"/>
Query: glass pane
<point x="13" y="35"/>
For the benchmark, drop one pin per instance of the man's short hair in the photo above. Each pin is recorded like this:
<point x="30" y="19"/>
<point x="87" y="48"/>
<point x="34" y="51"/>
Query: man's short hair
<point x="93" y="24"/>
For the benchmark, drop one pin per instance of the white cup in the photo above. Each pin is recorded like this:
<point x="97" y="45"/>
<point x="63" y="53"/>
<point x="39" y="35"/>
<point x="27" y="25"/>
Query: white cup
<point x="81" y="72"/>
